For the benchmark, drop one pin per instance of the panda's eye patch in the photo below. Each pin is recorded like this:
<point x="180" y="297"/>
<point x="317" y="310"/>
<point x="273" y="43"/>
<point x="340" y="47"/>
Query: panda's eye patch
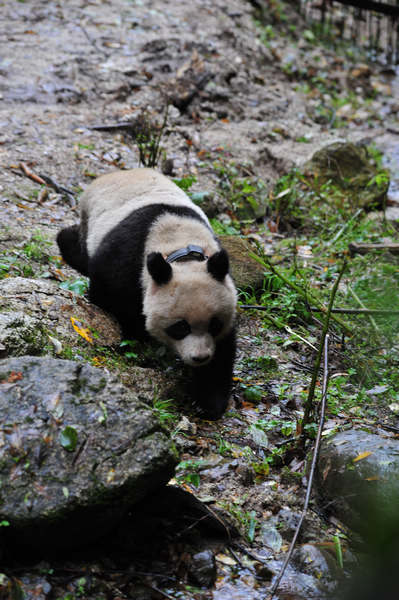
<point x="178" y="330"/>
<point x="215" y="326"/>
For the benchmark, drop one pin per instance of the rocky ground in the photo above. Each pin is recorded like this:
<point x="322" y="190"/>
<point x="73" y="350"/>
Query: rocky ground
<point x="243" y="98"/>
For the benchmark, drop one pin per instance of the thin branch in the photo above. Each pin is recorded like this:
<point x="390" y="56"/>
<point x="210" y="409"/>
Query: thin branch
<point x="364" y="248"/>
<point x="309" y="402"/>
<point x="311" y="473"/>
<point x="29" y="173"/>
<point x="155" y="589"/>
<point x="381" y="7"/>
<point x="44" y="180"/>
<point x="343" y="311"/>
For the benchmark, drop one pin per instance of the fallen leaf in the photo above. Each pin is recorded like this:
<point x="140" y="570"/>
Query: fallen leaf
<point x="69" y="438"/>
<point x="225" y="560"/>
<point x="13" y="377"/>
<point x="247" y="405"/>
<point x="84" y="332"/>
<point x="361" y="456"/>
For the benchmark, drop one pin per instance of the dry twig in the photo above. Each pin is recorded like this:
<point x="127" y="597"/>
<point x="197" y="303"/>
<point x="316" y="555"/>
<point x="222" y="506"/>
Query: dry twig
<point x="311" y="473"/>
<point x="363" y="248"/>
<point x="25" y="169"/>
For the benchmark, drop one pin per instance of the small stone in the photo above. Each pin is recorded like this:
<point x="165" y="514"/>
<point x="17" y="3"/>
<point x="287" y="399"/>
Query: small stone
<point x="317" y="562"/>
<point x="203" y="568"/>
<point x="246" y="474"/>
<point x="185" y="425"/>
<point x="271" y="537"/>
<point x="288" y="521"/>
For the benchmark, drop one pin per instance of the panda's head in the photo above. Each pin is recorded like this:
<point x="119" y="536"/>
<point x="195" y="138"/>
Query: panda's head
<point x="189" y="306"/>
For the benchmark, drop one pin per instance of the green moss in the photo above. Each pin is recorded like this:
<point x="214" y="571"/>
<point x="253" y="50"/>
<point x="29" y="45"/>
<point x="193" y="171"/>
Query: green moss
<point x="78" y="385"/>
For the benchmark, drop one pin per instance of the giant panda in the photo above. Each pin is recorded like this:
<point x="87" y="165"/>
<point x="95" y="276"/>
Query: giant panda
<point x="154" y="262"/>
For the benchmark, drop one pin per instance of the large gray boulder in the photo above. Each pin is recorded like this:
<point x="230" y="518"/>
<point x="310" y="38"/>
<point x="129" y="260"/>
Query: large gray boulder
<point x="77" y="450"/>
<point x="358" y="478"/>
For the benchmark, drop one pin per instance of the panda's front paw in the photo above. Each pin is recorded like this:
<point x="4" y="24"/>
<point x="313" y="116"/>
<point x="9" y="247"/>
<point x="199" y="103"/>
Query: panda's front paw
<point x="212" y="406"/>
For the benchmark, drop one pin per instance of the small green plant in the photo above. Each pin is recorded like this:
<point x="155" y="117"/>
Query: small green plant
<point x="246" y="194"/>
<point x="253" y="393"/>
<point x="81" y="586"/>
<point x="147" y="132"/>
<point x="131" y="344"/>
<point x="187" y="472"/>
<point x="36" y="248"/>
<point x="381" y="179"/>
<point x="338" y="548"/>
<point x="69" y="438"/>
<point x="224" y="448"/>
<point x="11" y="265"/>
<point x="166" y="411"/>
<point x="266" y="32"/>
<point x="185" y="183"/>
<point x="261" y="469"/>
<point x="86" y="146"/>
<point x="231" y="228"/>
<point x="78" y="286"/>
<point x="246" y="519"/>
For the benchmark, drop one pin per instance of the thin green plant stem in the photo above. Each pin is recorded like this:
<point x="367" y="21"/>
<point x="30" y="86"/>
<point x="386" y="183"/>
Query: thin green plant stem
<point x="306" y="296"/>
<point x="338" y="551"/>
<point x="360" y="303"/>
<point x="279" y="325"/>
<point x="309" y="405"/>
<point x="345" y="226"/>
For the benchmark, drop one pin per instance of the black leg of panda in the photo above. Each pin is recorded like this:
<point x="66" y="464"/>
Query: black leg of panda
<point x="211" y="385"/>
<point x="73" y="253"/>
<point x="115" y="290"/>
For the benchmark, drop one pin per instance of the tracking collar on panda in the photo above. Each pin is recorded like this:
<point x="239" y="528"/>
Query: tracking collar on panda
<point x="190" y="252"/>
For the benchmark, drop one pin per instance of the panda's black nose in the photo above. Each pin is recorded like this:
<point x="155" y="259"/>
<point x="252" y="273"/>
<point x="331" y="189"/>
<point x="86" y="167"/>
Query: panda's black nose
<point x="201" y="359"/>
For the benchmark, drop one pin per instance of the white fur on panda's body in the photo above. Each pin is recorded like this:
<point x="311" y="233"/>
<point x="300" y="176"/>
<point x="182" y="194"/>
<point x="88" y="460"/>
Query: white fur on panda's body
<point x="131" y="221"/>
<point x="112" y="197"/>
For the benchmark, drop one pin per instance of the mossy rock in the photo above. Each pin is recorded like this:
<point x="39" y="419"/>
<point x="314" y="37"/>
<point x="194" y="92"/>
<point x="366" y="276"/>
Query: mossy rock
<point x="84" y="449"/>
<point x="246" y="271"/>
<point x="349" y="168"/>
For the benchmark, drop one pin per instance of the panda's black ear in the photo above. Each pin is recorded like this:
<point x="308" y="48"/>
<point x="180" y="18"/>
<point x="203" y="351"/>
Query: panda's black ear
<point x="159" y="269"/>
<point x="218" y="265"/>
